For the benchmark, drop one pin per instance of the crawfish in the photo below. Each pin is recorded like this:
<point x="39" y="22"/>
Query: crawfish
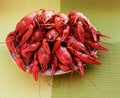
<point x="59" y="40"/>
<point x="76" y="44"/>
<point x="77" y="19"/>
<point x="82" y="22"/>
<point x="84" y="57"/>
<point x="44" y="56"/>
<point x="25" y="22"/>
<point x="64" y="57"/>
<point x="26" y="26"/>
<point x="75" y="16"/>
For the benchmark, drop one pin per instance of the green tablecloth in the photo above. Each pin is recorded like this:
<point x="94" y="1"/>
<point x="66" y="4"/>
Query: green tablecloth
<point x="103" y="14"/>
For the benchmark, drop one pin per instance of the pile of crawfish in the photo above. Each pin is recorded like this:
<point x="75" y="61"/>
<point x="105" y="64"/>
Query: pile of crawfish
<point x="45" y="40"/>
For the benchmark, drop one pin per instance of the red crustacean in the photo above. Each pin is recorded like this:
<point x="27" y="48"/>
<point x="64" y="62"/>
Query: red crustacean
<point x="27" y="23"/>
<point x="78" y="19"/>
<point x="46" y="42"/>
<point x="76" y="44"/>
<point x="64" y="57"/>
<point x="84" y="57"/>
<point x="61" y="39"/>
<point x="44" y="56"/>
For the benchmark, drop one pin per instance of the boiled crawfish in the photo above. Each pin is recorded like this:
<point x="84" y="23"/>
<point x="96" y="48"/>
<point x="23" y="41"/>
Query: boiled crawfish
<point x="45" y="40"/>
